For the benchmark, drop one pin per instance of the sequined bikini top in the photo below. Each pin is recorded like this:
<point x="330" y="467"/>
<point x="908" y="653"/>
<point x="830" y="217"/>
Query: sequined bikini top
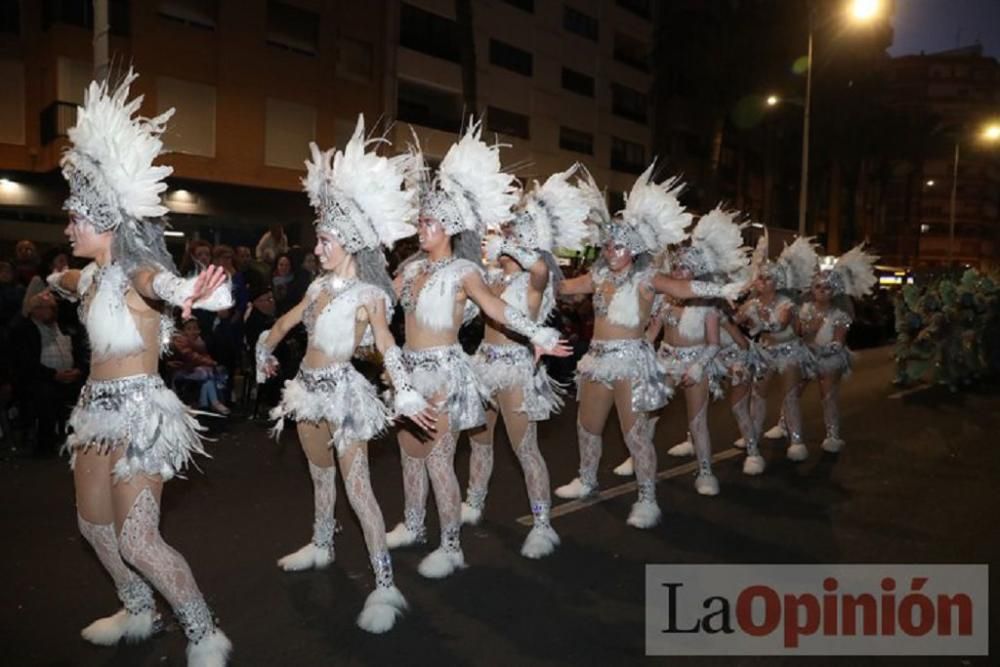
<point x="434" y="304"/>
<point x="332" y="328"/>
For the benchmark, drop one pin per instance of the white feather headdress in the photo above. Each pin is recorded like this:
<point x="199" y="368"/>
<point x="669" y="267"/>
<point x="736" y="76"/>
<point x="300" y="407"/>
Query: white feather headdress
<point x="653" y="217"/>
<point x="716" y="249"/>
<point x="554" y="214"/>
<point x="109" y="166"/>
<point x="852" y="274"/>
<point x="795" y="266"/>
<point x="359" y="196"/>
<point x="471" y="191"/>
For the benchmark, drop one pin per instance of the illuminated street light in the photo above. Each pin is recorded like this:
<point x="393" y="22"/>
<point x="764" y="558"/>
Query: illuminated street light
<point x="772" y="100"/>
<point x="991" y="132"/>
<point x="930" y="183"/>
<point x="865" y="10"/>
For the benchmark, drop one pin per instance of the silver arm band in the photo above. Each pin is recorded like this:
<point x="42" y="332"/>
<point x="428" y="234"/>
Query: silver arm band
<point x="263" y="356"/>
<point x="406" y="399"/>
<point x="544" y="337"/>
<point x="176" y="290"/>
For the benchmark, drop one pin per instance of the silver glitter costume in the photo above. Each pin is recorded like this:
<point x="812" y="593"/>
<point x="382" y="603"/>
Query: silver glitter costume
<point x="447" y="370"/>
<point x="632" y="359"/>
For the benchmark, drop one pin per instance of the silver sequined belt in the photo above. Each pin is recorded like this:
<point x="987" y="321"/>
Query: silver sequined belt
<point x="434" y="358"/>
<point x="510" y="353"/>
<point x="601" y="348"/>
<point x="112" y="394"/>
<point x="324" y="379"/>
<point x="685" y="354"/>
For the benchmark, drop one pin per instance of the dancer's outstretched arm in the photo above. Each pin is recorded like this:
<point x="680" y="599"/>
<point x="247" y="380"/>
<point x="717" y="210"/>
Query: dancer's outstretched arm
<point x="545" y="339"/>
<point x="266" y="363"/>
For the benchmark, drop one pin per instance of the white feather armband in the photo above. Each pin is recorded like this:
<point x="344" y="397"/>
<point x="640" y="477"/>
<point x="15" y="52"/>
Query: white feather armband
<point x="544" y="337"/>
<point x="406" y="400"/>
<point x="176" y="290"/>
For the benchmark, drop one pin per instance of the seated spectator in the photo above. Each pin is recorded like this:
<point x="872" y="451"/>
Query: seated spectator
<point x="48" y="379"/>
<point x="222" y="255"/>
<point x="281" y="284"/>
<point x="197" y="258"/>
<point x="225" y="340"/>
<point x="192" y="362"/>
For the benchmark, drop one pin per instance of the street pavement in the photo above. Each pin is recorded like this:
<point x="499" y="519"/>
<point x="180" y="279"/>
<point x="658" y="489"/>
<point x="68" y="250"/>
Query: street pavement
<point x="915" y="484"/>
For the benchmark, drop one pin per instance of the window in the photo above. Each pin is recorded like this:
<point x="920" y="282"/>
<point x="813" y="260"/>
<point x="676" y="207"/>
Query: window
<point x="579" y="23"/>
<point x="576" y="141"/>
<point x="581" y="84"/>
<point x="637" y="7"/>
<point x="627" y="156"/>
<point x="510" y="57"/>
<point x="524" y="5"/>
<point x="427" y="106"/>
<point x="194" y="13"/>
<point x="429" y="33"/>
<point x="632" y="52"/>
<point x="81" y="13"/>
<point x="616" y="201"/>
<point x="191" y="132"/>
<point x="354" y="59"/>
<point x="292" y="29"/>
<point x="628" y="103"/>
<point x="508" y="122"/>
<point x="288" y="129"/>
<point x="10" y="16"/>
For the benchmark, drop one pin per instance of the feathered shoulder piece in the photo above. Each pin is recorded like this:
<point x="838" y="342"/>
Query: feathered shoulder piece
<point x="853" y="273"/>
<point x="471" y="191"/>
<point x="653" y="217"/>
<point x="554" y="214"/>
<point x="359" y="196"/>
<point x="716" y="249"/>
<point x="109" y="165"/>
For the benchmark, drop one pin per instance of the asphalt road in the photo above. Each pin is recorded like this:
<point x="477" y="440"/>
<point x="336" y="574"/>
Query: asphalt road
<point x="915" y="484"/>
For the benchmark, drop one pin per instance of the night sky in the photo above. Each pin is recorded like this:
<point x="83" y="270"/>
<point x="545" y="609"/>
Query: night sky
<point x="938" y="25"/>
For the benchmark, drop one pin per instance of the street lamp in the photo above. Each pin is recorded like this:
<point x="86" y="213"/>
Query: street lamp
<point x="990" y="134"/>
<point x="930" y="183"/>
<point x="772" y="100"/>
<point x="860" y="11"/>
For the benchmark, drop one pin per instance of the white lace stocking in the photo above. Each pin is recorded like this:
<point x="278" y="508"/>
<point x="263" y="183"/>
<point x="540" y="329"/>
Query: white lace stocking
<point x="741" y="411"/>
<point x="414" y="493"/>
<point x="590" y="455"/>
<point x="135" y="594"/>
<point x="639" y="441"/>
<point x="324" y="501"/>
<point x="144" y="549"/>
<point x="480" y="471"/>
<point x="792" y="412"/>
<point x="536" y="474"/>
<point x="831" y="409"/>
<point x="697" y="406"/>
<point x="447" y="494"/>
<point x="359" y="493"/>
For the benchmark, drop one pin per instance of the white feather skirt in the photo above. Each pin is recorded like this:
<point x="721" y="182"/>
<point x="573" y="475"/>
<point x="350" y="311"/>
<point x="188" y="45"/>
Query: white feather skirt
<point x="159" y="434"/>
<point x="512" y="365"/>
<point x="339" y="395"/>
<point x="677" y="360"/>
<point x="446" y="371"/>
<point x="632" y="359"/>
<point x="780" y="356"/>
<point x="736" y="363"/>
<point x="829" y="359"/>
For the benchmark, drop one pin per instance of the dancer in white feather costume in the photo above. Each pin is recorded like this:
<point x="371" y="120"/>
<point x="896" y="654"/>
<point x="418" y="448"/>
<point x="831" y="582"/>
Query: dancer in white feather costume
<point x="439" y="289"/>
<point x="552" y="215"/>
<point x="129" y="433"/>
<point x="691" y="348"/>
<point x="823" y="323"/>
<point x="621" y="369"/>
<point x="771" y="316"/>
<point x="361" y="207"/>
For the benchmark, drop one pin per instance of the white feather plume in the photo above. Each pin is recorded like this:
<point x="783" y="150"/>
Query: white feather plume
<point x="559" y="210"/>
<point x="594" y="196"/>
<point x="857" y="268"/>
<point x="655" y="212"/>
<point x="368" y="186"/>
<point x="470" y="174"/>
<point x="121" y="146"/>
<point x="719" y="239"/>
<point x="799" y="262"/>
